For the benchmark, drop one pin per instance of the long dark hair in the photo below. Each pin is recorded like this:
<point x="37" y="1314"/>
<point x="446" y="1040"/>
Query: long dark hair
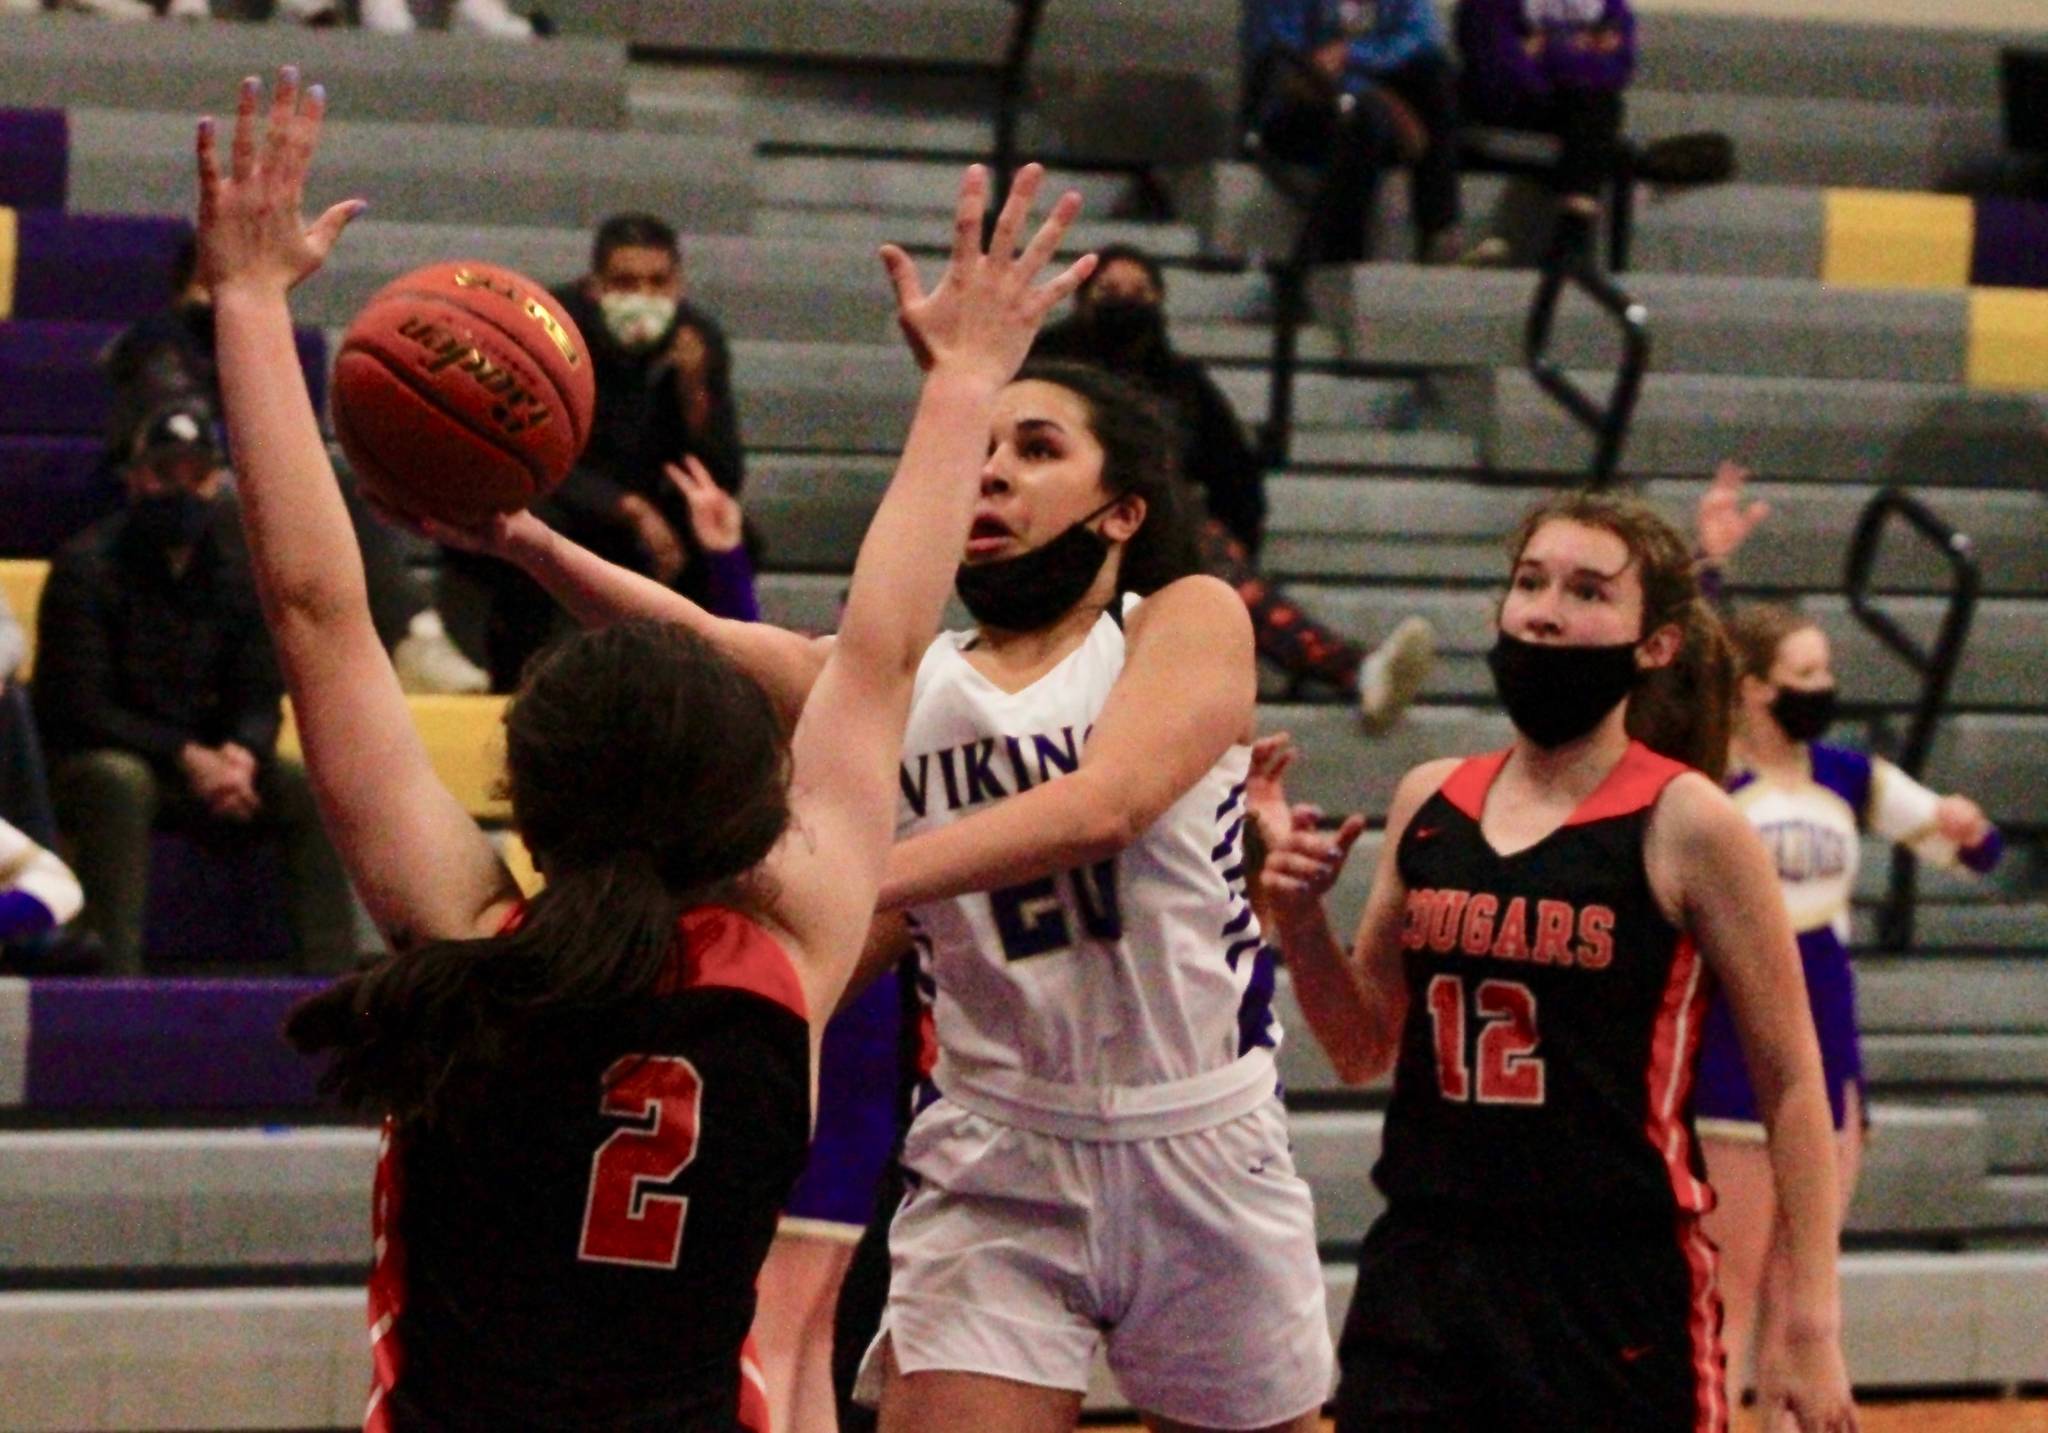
<point x="1140" y="457"/>
<point x="647" y="774"/>
<point x="1681" y="710"/>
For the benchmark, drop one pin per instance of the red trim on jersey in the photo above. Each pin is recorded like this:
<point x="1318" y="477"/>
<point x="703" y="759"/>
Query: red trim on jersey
<point x="387" y="1280"/>
<point x="718" y="946"/>
<point x="1637" y="780"/>
<point x="1674" y="1046"/>
<point x="1703" y="1329"/>
<point x="721" y="947"/>
<point x="1466" y="787"/>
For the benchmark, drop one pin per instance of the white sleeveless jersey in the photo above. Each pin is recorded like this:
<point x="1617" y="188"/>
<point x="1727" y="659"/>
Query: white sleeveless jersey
<point x="1127" y="1001"/>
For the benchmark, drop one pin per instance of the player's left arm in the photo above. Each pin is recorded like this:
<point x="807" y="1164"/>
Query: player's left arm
<point x="423" y="867"/>
<point x="1186" y="695"/>
<point x="1714" y="878"/>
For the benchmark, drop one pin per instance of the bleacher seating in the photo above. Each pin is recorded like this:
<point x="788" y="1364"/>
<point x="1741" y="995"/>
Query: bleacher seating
<point x="1817" y="318"/>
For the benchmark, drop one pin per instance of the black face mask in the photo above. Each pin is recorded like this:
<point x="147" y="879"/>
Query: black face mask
<point x="170" y="520"/>
<point x="1128" y="327"/>
<point x="1035" y="589"/>
<point x="1557" y="694"/>
<point x="1805" y="715"/>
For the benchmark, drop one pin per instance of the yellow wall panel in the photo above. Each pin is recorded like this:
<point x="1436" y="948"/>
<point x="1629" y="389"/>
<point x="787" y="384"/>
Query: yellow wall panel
<point x="1879" y="239"/>
<point x="465" y="740"/>
<point x="10" y="246"/>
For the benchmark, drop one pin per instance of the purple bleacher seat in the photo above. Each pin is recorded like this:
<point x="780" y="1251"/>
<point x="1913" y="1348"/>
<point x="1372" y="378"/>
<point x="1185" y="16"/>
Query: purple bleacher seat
<point x="2009" y="244"/>
<point x="94" y="266"/>
<point x="50" y="381"/>
<point x="51" y="488"/>
<point x="214" y="901"/>
<point x="165" y="1044"/>
<point x="35" y="154"/>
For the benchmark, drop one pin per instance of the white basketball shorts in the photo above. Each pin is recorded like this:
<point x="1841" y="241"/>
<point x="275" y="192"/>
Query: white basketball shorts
<point x="1193" y="1257"/>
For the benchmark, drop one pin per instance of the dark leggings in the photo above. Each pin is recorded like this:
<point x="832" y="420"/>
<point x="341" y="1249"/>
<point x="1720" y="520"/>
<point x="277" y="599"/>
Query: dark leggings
<point x="1285" y="635"/>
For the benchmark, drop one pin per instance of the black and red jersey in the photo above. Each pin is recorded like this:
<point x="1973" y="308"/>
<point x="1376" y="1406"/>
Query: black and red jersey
<point x="584" y="1255"/>
<point x="1553" y="1020"/>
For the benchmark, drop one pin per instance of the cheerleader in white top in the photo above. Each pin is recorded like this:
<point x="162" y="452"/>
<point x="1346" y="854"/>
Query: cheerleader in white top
<point x="1812" y="803"/>
<point x="37" y="890"/>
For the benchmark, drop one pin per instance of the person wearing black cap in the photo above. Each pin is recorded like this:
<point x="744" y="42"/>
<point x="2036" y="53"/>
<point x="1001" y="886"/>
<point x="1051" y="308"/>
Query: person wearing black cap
<point x="159" y="697"/>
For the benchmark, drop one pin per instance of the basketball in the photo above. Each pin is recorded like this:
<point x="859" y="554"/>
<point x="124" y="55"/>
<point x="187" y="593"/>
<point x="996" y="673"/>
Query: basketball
<point x="462" y="390"/>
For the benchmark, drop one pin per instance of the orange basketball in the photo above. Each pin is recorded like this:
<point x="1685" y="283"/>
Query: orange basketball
<point x="462" y="390"/>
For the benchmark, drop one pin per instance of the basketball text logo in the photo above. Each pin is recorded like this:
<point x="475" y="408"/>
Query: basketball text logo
<point x="533" y="308"/>
<point x="514" y="407"/>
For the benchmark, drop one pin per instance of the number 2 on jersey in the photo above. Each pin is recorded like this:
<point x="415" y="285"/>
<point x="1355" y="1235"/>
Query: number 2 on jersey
<point x="1510" y="1070"/>
<point x="623" y="1222"/>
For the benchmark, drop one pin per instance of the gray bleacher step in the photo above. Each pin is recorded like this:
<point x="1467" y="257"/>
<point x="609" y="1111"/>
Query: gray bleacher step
<point x="1245" y="343"/>
<point x="1167" y="241"/>
<point x="810" y="602"/>
<point x="2001" y="761"/>
<point x="2019" y="928"/>
<point x="927" y="188"/>
<point x="1745" y="230"/>
<point x="81" y="1199"/>
<point x="1760" y="55"/>
<point x="1407" y="528"/>
<point x="1322" y="400"/>
<point x="2016" y="1129"/>
<point x="449" y="77"/>
<point x="2013" y="1201"/>
<point x="1903" y="1061"/>
<point x="1698" y="324"/>
<point x="841" y="397"/>
<point x="1865" y="142"/>
<point x="1418" y="449"/>
<point x="443" y="172"/>
<point x="1917" y="994"/>
<point x="1847" y="431"/>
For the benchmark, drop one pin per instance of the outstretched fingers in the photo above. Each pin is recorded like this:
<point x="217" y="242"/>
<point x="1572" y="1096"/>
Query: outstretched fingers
<point x="1050" y="296"/>
<point x="967" y="216"/>
<point x="1046" y="242"/>
<point x="1002" y="244"/>
<point x="902" y="271"/>
<point x="242" y="156"/>
<point x="206" y="152"/>
<point x="277" y="139"/>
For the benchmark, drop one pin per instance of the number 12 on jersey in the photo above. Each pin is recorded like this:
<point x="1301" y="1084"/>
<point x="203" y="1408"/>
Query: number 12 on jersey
<point x="1510" y="1070"/>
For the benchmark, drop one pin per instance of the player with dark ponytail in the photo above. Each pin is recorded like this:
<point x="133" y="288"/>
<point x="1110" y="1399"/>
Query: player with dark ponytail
<point x="595" y="1101"/>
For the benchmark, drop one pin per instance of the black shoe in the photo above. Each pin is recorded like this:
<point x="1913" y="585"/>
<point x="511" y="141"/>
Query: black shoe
<point x="76" y="952"/>
<point x="1686" y="159"/>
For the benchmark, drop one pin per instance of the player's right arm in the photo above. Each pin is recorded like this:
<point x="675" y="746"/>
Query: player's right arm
<point x="597" y="593"/>
<point x="421" y="864"/>
<point x="1355" y="1005"/>
<point x="970" y="333"/>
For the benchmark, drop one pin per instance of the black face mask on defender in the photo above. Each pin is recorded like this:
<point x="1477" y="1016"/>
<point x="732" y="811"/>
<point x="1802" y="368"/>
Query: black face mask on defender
<point x="1035" y="589"/>
<point x="1556" y="694"/>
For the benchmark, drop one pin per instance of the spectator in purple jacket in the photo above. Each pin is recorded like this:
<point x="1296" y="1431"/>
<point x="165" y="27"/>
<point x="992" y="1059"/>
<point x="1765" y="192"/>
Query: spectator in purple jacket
<point x="1356" y="87"/>
<point x="1558" y="66"/>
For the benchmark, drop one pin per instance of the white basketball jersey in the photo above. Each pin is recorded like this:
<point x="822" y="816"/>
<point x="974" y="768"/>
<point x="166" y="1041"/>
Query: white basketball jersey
<point x="1126" y="1001"/>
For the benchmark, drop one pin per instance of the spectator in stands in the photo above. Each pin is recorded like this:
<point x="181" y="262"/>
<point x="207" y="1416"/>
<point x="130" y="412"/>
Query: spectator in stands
<point x="167" y="359"/>
<point x="1559" y="66"/>
<point x="1119" y="323"/>
<point x="664" y="392"/>
<point x="158" y="694"/>
<point x="1356" y="88"/>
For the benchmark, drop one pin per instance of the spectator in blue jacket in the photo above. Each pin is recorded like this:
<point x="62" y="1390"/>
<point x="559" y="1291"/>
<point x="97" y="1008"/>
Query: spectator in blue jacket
<point x="1356" y="87"/>
<point x="1558" y="66"/>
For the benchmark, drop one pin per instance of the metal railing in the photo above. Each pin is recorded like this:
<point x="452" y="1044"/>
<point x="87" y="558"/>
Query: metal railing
<point x="1935" y="665"/>
<point x="1010" y="77"/>
<point x="1608" y="421"/>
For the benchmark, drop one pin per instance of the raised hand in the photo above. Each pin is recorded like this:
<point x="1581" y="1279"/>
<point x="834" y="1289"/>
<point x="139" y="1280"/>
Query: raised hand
<point x="1725" y="522"/>
<point x="714" y="512"/>
<point x="251" y="226"/>
<point x="1302" y="860"/>
<point x="985" y="311"/>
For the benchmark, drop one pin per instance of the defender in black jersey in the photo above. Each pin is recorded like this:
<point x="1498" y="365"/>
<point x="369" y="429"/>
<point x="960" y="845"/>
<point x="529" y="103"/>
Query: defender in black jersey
<point x="595" y="1099"/>
<point x="1534" y="962"/>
